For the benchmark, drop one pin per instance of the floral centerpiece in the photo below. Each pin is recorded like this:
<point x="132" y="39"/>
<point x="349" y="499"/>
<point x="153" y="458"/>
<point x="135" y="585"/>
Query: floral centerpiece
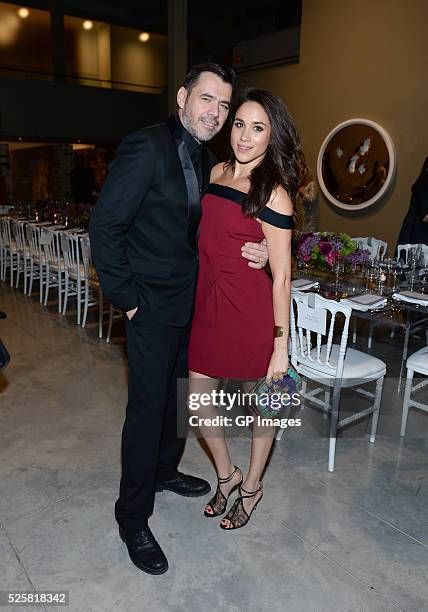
<point x="83" y="214"/>
<point x="323" y="251"/>
<point x="51" y="211"/>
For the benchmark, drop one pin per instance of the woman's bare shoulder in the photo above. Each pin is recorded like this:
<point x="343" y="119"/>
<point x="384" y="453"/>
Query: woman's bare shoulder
<point x="280" y="201"/>
<point x="217" y="171"/>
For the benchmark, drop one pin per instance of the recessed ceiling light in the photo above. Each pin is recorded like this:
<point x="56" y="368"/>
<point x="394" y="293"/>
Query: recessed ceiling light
<point x="88" y="25"/>
<point x="144" y="37"/>
<point x="23" y="13"/>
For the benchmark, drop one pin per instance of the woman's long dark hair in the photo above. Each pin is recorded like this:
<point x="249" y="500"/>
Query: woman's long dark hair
<point x="423" y="176"/>
<point x="284" y="163"/>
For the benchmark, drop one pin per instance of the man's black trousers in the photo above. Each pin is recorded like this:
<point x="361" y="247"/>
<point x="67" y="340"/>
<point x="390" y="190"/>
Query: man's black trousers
<point x="151" y="449"/>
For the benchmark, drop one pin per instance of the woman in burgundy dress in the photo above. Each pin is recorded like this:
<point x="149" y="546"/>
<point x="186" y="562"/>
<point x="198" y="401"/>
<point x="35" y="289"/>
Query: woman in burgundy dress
<point x="241" y="319"/>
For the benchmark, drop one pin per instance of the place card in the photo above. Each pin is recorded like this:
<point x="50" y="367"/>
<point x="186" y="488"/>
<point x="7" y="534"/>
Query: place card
<point x="314" y="319"/>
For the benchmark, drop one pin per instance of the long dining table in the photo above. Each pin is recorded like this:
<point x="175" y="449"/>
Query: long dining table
<point x="393" y="313"/>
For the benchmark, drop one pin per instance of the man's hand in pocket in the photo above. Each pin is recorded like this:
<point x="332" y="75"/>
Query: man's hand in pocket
<point x="131" y="313"/>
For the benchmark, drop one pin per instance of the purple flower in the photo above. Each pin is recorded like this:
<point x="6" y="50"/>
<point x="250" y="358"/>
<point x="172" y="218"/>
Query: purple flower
<point x="336" y="243"/>
<point x="308" y="242"/>
<point x="325" y="248"/>
<point x="332" y="258"/>
<point x="359" y="256"/>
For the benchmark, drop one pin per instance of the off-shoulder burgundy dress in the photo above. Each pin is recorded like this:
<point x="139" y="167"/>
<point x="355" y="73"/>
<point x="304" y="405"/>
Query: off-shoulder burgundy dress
<point x="233" y="322"/>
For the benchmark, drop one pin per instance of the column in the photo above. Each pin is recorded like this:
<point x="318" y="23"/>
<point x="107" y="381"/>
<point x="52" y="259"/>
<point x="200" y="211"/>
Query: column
<point x="312" y="215"/>
<point x="63" y="165"/>
<point x="104" y="54"/>
<point x="177" y="49"/>
<point x="57" y="40"/>
<point x="5" y="170"/>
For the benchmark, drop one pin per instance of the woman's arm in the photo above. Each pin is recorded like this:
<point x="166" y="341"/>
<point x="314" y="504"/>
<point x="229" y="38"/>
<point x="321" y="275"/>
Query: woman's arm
<point x="279" y="246"/>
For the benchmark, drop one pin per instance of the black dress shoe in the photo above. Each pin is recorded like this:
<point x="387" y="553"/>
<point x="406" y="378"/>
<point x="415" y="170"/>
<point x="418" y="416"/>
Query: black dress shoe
<point x="143" y="550"/>
<point x="183" y="484"/>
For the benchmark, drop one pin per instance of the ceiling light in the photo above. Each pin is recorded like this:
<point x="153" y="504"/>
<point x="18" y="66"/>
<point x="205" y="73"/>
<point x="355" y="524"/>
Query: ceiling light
<point x="144" y="37"/>
<point x="23" y="13"/>
<point x="88" y="25"/>
<point x="9" y="28"/>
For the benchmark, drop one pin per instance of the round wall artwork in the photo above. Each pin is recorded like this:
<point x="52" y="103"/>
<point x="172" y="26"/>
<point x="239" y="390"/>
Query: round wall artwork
<point x="356" y="164"/>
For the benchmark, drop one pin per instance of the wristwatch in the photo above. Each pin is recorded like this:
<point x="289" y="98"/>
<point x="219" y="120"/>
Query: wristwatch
<point x="278" y="331"/>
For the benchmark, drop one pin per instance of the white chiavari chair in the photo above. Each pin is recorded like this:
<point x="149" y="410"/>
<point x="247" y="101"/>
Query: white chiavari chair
<point x="9" y="252"/>
<point x="403" y="251"/>
<point x="377" y="248"/>
<point x="314" y="322"/>
<point x="37" y="262"/>
<point x="53" y="263"/>
<point x="418" y="362"/>
<point x="91" y="285"/>
<point x="113" y="313"/>
<point x="3" y="250"/>
<point x="74" y="272"/>
<point x="23" y="253"/>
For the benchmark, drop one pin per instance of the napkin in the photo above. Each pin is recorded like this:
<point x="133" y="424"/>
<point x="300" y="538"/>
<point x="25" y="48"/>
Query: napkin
<point x="302" y="284"/>
<point x="413" y="297"/>
<point x="364" y="302"/>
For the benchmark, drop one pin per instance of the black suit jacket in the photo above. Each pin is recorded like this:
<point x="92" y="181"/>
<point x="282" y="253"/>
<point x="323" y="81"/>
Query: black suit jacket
<point x="139" y="231"/>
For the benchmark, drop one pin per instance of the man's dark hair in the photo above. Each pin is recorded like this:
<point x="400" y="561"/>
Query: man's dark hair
<point x="228" y="75"/>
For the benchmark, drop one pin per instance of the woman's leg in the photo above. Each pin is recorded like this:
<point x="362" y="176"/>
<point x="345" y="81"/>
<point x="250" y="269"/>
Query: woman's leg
<point x="213" y="435"/>
<point x="261" y="445"/>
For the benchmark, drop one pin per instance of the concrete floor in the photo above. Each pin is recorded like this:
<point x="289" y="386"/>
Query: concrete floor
<point x="354" y="540"/>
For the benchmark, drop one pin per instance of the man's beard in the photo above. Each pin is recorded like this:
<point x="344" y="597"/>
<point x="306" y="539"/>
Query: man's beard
<point x="190" y="126"/>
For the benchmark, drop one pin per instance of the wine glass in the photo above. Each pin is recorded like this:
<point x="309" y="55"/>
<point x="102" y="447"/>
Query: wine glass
<point x="371" y="278"/>
<point x="424" y="280"/>
<point x="413" y="256"/>
<point x="338" y="269"/>
<point x="381" y="280"/>
<point x="302" y="267"/>
<point x="420" y="259"/>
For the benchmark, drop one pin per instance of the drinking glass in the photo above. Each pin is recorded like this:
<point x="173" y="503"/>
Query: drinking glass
<point x="424" y="280"/>
<point x="338" y="269"/>
<point x="412" y="258"/>
<point x="371" y="278"/>
<point x="381" y="278"/>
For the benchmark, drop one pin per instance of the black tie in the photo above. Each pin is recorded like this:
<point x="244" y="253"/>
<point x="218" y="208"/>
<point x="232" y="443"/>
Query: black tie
<point x="195" y="214"/>
<point x="196" y="161"/>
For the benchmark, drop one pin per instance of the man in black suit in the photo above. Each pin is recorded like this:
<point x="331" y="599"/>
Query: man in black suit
<point x="144" y="241"/>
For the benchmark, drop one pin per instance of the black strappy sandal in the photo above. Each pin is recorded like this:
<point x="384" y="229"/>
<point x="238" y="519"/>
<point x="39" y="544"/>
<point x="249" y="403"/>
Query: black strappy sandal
<point x="218" y="503"/>
<point x="237" y="515"/>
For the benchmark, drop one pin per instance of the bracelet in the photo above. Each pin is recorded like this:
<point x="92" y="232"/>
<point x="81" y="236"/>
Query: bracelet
<point x="278" y="331"/>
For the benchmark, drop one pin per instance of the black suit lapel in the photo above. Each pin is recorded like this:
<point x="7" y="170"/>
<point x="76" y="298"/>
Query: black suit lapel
<point x="192" y="187"/>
